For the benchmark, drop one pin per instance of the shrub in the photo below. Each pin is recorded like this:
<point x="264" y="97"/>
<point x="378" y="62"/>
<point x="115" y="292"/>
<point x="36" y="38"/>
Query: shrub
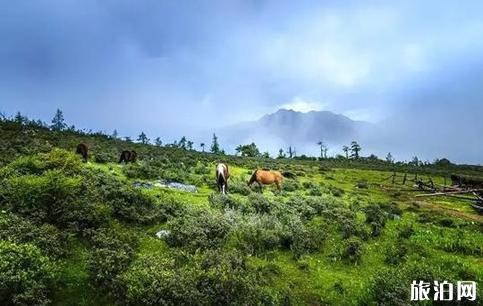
<point x="46" y="237"/>
<point x="112" y="253"/>
<point x="239" y="188"/>
<point x="212" y="278"/>
<point x="256" y="234"/>
<point x="198" y="229"/>
<point x="53" y="197"/>
<point x="307" y="239"/>
<point x="102" y="158"/>
<point x="27" y="277"/>
<point x="260" y="203"/>
<point x="376" y="217"/>
<point x="352" y="250"/>
<point x="133" y="206"/>
<point x="290" y="185"/>
<point x="362" y="185"/>
<point x="221" y="201"/>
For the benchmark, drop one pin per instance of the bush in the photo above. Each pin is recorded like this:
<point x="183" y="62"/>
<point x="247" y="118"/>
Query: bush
<point x="256" y="234"/>
<point x="221" y="201"/>
<point x="46" y="237"/>
<point x="306" y="239"/>
<point x="352" y="250"/>
<point x="362" y="185"/>
<point x="239" y="188"/>
<point x="290" y="185"/>
<point x="212" y="278"/>
<point x="198" y="229"/>
<point x="260" y="203"/>
<point x="27" y="277"/>
<point x="376" y="217"/>
<point x="53" y="197"/>
<point x="102" y="158"/>
<point x="134" y="206"/>
<point x="112" y="253"/>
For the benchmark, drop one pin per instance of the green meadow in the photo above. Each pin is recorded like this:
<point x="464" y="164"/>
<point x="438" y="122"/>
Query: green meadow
<point x="339" y="233"/>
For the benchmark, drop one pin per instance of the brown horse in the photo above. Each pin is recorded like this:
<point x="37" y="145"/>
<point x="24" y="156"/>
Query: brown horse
<point x="266" y="177"/>
<point x="222" y="175"/>
<point x="82" y="149"/>
<point x="128" y="156"/>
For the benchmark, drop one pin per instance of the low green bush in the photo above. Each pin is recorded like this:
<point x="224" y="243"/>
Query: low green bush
<point x="27" y="277"/>
<point x="46" y="237"/>
<point x="198" y="229"/>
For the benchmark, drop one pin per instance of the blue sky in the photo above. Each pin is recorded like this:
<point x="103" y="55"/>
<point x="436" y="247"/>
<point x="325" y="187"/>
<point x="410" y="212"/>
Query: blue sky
<point x="176" y="67"/>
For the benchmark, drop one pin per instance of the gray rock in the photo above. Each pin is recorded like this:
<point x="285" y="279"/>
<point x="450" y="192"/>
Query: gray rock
<point x="163" y="234"/>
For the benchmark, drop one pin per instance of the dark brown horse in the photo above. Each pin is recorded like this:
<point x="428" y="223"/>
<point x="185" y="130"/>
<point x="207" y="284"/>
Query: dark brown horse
<point x="82" y="149"/>
<point x="222" y="175"/>
<point x="128" y="156"/>
<point x="266" y="177"/>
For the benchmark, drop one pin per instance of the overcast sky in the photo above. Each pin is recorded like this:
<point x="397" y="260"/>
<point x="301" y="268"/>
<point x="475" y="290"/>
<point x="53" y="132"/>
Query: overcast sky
<point x="172" y="67"/>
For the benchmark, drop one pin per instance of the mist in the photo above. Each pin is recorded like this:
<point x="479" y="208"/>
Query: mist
<point x="411" y="69"/>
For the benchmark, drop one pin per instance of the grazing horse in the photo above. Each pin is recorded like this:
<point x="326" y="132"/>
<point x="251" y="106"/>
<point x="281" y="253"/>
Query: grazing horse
<point x="82" y="150"/>
<point x="128" y="156"/>
<point x="222" y="176"/>
<point x="266" y="177"/>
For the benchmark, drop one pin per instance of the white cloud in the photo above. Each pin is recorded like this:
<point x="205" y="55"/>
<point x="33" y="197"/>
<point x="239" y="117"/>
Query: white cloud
<point x="298" y="104"/>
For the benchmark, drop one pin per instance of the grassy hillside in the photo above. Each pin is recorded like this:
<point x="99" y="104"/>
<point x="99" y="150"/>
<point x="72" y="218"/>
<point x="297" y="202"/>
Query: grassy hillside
<point x="339" y="233"/>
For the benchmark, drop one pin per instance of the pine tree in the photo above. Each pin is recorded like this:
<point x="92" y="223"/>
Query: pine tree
<point x="189" y="145"/>
<point x="281" y="154"/>
<point x="346" y="151"/>
<point x="58" y="123"/>
<point x="114" y="134"/>
<point x="182" y="143"/>
<point x="202" y="145"/>
<point x="389" y="158"/>
<point x="143" y="138"/>
<point x="321" y="145"/>
<point x="355" y="149"/>
<point x="215" y="147"/>
<point x="158" y="142"/>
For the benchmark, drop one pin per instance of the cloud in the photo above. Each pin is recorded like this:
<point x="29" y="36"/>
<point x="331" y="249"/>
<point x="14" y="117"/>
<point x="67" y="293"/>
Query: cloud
<point x="171" y="67"/>
<point x="298" y="104"/>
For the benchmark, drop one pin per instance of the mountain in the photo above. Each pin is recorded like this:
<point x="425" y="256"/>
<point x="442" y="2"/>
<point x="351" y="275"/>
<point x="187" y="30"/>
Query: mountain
<point x="288" y="127"/>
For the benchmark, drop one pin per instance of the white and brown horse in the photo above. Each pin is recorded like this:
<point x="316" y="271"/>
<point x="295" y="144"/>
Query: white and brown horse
<point x="222" y="175"/>
<point x="266" y="177"/>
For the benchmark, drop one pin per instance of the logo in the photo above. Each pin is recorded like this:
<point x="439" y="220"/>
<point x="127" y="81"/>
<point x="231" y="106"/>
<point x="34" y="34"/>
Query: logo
<point x="443" y="291"/>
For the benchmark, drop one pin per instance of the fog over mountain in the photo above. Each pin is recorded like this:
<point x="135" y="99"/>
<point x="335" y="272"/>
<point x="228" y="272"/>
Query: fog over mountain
<point x="173" y="68"/>
<point x="286" y="128"/>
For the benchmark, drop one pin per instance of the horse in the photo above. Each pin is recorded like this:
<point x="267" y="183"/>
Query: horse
<point x="266" y="177"/>
<point x="128" y="156"/>
<point x="82" y="149"/>
<point x="222" y="175"/>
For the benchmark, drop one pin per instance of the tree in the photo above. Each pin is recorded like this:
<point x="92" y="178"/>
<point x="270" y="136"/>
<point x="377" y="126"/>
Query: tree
<point x="215" y="147"/>
<point x="415" y="161"/>
<point x="158" y="141"/>
<point x="249" y="150"/>
<point x="281" y="154"/>
<point x="189" y="145"/>
<point x="58" y="123"/>
<point x="290" y="152"/>
<point x="128" y="139"/>
<point x="321" y="145"/>
<point x="182" y="143"/>
<point x="143" y="138"/>
<point x="202" y="145"/>
<point x="20" y="119"/>
<point x="389" y="158"/>
<point x="355" y="149"/>
<point x="266" y="155"/>
<point x="346" y="151"/>
<point x="238" y="149"/>
<point x="114" y="134"/>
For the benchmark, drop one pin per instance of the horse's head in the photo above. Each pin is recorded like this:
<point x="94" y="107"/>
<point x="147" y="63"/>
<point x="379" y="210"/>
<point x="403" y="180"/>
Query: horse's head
<point x="253" y="178"/>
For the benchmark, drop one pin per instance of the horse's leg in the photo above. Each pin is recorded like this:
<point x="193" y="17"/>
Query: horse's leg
<point x="261" y="187"/>
<point x="278" y="186"/>
<point x="226" y="187"/>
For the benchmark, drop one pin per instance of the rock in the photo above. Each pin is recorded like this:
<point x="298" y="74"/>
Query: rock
<point x="162" y="234"/>
<point x="162" y="184"/>
<point x="182" y="187"/>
